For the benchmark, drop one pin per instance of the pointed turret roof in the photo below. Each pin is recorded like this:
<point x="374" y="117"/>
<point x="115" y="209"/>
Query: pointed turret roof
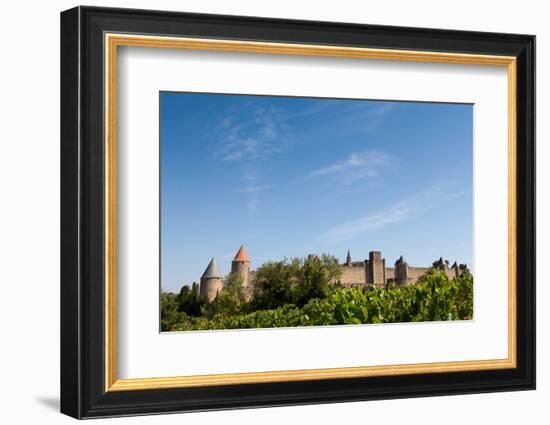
<point x="241" y="255"/>
<point x="212" y="270"/>
<point x="348" y="257"/>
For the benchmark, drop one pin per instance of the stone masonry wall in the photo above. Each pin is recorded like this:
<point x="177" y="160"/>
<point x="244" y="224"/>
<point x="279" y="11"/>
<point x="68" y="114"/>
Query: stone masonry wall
<point x="416" y="272"/>
<point x="357" y="274"/>
<point x="210" y="287"/>
<point x="353" y="275"/>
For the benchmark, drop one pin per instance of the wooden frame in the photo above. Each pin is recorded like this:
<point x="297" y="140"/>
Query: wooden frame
<point x="90" y="37"/>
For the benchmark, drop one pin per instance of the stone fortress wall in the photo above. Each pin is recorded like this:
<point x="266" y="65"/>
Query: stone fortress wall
<point x="373" y="271"/>
<point x="355" y="274"/>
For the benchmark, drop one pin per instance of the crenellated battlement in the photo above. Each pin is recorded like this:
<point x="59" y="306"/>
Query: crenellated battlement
<point x="369" y="272"/>
<point x="373" y="271"/>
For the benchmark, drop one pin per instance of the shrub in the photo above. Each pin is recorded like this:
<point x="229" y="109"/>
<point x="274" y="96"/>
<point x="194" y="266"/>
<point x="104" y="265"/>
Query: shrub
<point x="169" y="311"/>
<point x="231" y="301"/>
<point x="434" y="297"/>
<point x="295" y="281"/>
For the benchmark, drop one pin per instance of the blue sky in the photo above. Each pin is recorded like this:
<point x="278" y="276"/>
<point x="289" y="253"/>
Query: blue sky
<point x="290" y="176"/>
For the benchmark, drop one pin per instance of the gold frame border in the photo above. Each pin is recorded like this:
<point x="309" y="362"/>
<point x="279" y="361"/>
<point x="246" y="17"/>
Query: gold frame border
<point x="113" y="41"/>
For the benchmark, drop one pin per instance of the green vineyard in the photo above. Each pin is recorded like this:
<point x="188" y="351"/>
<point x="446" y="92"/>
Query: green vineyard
<point x="434" y="298"/>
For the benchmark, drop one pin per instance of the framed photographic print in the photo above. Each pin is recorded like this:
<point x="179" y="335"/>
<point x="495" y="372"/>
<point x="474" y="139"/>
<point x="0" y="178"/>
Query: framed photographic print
<point x="261" y="212"/>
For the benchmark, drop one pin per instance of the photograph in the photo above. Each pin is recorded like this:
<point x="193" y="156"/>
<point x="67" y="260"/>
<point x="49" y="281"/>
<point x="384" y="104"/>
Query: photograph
<point x="281" y="212"/>
<point x="288" y="210"/>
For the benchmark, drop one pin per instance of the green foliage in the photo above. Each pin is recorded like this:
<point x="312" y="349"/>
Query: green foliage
<point x="189" y="300"/>
<point x="231" y="301"/>
<point x="314" y="278"/>
<point x="434" y="298"/>
<point x="294" y="282"/>
<point x="169" y="313"/>
<point x="464" y="298"/>
<point x="273" y="284"/>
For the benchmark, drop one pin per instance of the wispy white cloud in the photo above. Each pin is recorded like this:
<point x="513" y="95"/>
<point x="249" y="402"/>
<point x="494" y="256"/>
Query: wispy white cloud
<point x="359" y="165"/>
<point x="360" y="114"/>
<point x="364" y="118"/>
<point x="368" y="223"/>
<point x="254" y="189"/>
<point x="251" y="187"/>
<point x="252" y="180"/>
<point x="252" y="205"/>
<point x="255" y="137"/>
<point x="247" y="139"/>
<point x="374" y="109"/>
<point x="382" y="109"/>
<point x="317" y="107"/>
<point x="402" y="211"/>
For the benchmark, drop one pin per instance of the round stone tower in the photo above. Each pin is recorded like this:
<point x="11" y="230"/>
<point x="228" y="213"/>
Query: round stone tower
<point x="401" y="273"/>
<point x="240" y="266"/>
<point x="456" y="270"/>
<point x="211" y="281"/>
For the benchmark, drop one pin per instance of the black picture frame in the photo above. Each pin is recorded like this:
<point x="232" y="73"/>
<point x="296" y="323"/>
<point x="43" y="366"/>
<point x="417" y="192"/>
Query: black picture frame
<point x="83" y="392"/>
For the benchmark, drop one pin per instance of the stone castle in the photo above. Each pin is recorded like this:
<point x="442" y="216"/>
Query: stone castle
<point x="355" y="274"/>
<point x="212" y="281"/>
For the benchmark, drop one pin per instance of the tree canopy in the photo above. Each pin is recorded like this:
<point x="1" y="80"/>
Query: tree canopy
<point x="305" y="292"/>
<point x="294" y="281"/>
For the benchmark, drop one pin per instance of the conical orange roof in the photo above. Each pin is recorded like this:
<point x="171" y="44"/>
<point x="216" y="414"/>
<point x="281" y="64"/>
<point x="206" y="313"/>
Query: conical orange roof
<point x="241" y="255"/>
